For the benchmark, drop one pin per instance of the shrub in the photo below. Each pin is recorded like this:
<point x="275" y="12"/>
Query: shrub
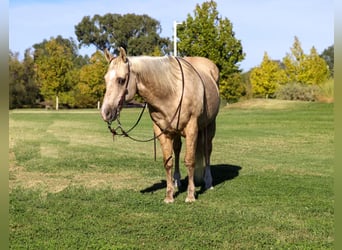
<point x="297" y="91"/>
<point x="327" y="91"/>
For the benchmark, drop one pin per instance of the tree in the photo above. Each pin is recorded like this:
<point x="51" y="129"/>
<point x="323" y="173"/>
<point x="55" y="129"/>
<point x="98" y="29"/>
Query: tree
<point x="233" y="87"/>
<point x="266" y="78"/>
<point x="32" y="89"/>
<point x="91" y="87"/>
<point x="315" y="68"/>
<point x="208" y="35"/>
<point x="328" y="56"/>
<point x="293" y="61"/>
<point x="137" y="34"/>
<point x="54" y="64"/>
<point x="305" y="69"/>
<point x="22" y="85"/>
<point x="16" y="84"/>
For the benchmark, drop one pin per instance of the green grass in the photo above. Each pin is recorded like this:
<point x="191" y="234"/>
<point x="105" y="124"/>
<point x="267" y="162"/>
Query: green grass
<point x="72" y="187"/>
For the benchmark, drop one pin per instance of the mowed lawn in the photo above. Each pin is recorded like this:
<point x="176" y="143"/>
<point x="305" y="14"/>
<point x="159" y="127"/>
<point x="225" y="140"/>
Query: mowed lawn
<point x="73" y="187"/>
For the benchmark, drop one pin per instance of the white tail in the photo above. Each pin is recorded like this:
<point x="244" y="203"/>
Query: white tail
<point x="202" y="175"/>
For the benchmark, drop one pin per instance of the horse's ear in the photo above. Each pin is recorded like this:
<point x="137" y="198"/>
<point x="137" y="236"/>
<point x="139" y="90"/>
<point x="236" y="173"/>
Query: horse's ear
<point x="123" y="54"/>
<point x="108" y="55"/>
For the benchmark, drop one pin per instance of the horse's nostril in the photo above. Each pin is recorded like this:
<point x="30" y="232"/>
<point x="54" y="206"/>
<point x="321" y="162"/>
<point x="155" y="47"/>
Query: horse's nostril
<point x="106" y="114"/>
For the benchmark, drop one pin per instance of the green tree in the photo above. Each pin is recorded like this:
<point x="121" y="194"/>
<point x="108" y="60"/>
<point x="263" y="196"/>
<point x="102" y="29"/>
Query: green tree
<point x="266" y="78"/>
<point x="208" y="35"/>
<point x="138" y="34"/>
<point x="91" y="87"/>
<point x="32" y="89"/>
<point x="16" y="84"/>
<point x="305" y="69"/>
<point x="233" y="87"/>
<point x="54" y="64"/>
<point x="70" y="43"/>
<point x="22" y="85"/>
<point x="328" y="56"/>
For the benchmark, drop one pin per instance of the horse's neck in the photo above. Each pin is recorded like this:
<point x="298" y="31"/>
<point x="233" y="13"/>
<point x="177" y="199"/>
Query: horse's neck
<point x="155" y="80"/>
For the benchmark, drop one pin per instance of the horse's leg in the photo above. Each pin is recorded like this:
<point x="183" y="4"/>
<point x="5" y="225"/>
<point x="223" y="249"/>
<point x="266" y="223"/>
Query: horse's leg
<point x="209" y="133"/>
<point x="177" y="146"/>
<point x="191" y="132"/>
<point x="166" y="146"/>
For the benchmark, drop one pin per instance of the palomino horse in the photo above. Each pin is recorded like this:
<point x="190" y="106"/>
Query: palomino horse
<point x="183" y="100"/>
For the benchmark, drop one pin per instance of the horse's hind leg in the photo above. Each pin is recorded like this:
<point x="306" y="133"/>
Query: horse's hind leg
<point x="177" y="146"/>
<point x="191" y="133"/>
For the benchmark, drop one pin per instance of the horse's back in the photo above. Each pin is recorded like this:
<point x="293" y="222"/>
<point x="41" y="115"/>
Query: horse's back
<point x="210" y="75"/>
<point x="205" y="66"/>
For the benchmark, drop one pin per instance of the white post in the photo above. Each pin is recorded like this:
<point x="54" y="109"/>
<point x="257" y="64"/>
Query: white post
<point x="175" y="37"/>
<point x="57" y="102"/>
<point x="98" y="104"/>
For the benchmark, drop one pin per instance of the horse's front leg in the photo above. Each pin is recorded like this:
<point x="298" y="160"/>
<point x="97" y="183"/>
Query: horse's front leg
<point x="166" y="146"/>
<point x="191" y="132"/>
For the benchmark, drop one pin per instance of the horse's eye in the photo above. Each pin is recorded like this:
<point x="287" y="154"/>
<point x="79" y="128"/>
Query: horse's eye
<point x="121" y="81"/>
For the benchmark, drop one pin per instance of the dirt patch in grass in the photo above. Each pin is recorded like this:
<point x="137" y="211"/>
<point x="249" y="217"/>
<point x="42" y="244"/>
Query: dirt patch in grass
<point x="56" y="182"/>
<point x="263" y="104"/>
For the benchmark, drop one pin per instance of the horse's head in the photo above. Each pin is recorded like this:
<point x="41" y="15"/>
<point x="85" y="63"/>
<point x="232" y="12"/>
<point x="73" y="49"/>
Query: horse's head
<point x="120" y="85"/>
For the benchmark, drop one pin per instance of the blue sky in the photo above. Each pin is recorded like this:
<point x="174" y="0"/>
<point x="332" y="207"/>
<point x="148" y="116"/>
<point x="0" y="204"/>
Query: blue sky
<point x="261" y="25"/>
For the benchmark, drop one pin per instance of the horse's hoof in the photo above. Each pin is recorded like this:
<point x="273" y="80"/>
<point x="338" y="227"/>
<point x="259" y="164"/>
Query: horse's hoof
<point x="190" y="199"/>
<point x="168" y="200"/>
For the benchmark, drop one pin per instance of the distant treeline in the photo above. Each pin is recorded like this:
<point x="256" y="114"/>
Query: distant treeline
<point x="52" y="73"/>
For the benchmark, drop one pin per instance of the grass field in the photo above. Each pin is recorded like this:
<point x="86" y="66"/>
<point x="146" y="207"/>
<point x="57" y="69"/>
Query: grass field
<point x="72" y="187"/>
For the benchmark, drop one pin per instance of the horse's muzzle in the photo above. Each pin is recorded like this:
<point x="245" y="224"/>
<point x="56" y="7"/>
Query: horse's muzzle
<point x="109" y="115"/>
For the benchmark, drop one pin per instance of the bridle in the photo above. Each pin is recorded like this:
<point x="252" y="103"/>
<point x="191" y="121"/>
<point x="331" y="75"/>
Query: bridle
<point x="122" y="99"/>
<point x="124" y="132"/>
<point x="120" y="105"/>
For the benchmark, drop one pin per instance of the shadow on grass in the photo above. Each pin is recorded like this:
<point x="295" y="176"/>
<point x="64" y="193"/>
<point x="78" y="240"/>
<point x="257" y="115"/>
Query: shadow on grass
<point x="220" y="173"/>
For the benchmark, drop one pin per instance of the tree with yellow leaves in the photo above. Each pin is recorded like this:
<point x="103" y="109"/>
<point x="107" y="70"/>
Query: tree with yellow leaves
<point x="91" y="86"/>
<point x="305" y="69"/>
<point x="266" y="78"/>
